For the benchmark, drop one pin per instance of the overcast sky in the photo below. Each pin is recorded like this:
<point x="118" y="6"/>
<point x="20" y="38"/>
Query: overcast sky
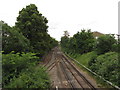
<point x="70" y="15"/>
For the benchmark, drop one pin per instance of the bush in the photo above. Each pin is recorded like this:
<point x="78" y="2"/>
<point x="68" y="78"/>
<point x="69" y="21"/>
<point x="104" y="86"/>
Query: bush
<point x="32" y="78"/>
<point x="105" y="44"/>
<point x="20" y="71"/>
<point x="13" y="64"/>
<point x="107" y="66"/>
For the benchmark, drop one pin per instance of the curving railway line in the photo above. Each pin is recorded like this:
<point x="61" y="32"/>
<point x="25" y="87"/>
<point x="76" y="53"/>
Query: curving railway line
<point x="64" y="73"/>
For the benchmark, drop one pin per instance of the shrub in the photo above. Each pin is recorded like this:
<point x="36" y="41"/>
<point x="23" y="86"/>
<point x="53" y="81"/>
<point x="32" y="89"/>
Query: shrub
<point x="105" y="43"/>
<point x="32" y="78"/>
<point x="13" y="64"/>
<point x="107" y="66"/>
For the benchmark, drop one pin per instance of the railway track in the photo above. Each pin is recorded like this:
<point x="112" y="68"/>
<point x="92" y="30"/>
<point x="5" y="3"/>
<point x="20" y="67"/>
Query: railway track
<point x="82" y="81"/>
<point x="64" y="74"/>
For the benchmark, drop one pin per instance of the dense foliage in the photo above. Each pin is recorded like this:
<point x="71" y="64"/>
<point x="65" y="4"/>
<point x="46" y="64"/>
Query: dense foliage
<point x="82" y="42"/>
<point x="19" y="71"/>
<point x="23" y="47"/>
<point x="12" y="40"/>
<point x="85" y="41"/>
<point x="65" y="42"/>
<point x="34" y="27"/>
<point x="13" y="64"/>
<point x="106" y="43"/>
<point x="32" y="78"/>
<point x="107" y="66"/>
<point x="31" y="23"/>
<point x="29" y="34"/>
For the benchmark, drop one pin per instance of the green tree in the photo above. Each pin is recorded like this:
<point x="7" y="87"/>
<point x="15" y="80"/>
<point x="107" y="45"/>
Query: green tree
<point x="64" y="42"/>
<point x="28" y="35"/>
<point x="31" y="22"/>
<point x="81" y="42"/>
<point x="105" y="44"/>
<point x="106" y="65"/>
<point x="34" y="27"/>
<point x="85" y="41"/>
<point x="12" y="40"/>
<point x="72" y="46"/>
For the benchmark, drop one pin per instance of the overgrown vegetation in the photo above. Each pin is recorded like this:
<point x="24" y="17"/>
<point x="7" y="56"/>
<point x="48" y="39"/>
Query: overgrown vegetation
<point x="99" y="54"/>
<point x="106" y="43"/>
<point x="23" y="46"/>
<point x="19" y="71"/>
<point x="106" y="65"/>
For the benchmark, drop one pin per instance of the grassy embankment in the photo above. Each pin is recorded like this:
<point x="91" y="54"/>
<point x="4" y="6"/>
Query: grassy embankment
<point x="100" y="64"/>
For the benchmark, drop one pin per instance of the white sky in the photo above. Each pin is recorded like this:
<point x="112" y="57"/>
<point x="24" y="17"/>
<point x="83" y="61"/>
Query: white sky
<point x="71" y="15"/>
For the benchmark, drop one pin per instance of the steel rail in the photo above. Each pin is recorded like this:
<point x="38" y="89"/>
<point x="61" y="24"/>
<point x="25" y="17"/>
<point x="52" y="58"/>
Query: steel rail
<point x="73" y="75"/>
<point x="50" y="65"/>
<point x="53" y="65"/>
<point x="67" y="76"/>
<point x="87" y="82"/>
